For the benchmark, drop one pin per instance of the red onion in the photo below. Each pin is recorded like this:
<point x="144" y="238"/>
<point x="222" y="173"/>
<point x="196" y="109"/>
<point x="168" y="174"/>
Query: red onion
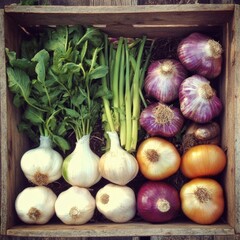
<point x="163" y="79"/>
<point x="160" y="119"/>
<point x="158" y="202"/>
<point x="198" y="100"/>
<point x="201" y="54"/>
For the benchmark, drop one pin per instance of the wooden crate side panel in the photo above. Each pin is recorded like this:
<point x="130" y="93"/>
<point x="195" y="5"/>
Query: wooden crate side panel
<point x="227" y="91"/>
<point x="13" y="143"/>
<point x="3" y="130"/>
<point x="154" y="31"/>
<point x="116" y="230"/>
<point x="236" y="77"/>
<point x="93" y="2"/>
<point x="122" y="15"/>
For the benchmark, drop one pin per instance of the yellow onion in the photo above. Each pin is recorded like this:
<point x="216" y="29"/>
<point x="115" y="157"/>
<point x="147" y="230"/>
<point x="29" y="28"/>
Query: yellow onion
<point x="203" y="160"/>
<point x="157" y="158"/>
<point x="202" y="200"/>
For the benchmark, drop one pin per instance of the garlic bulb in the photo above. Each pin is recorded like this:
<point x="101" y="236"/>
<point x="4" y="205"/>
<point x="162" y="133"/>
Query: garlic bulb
<point x="117" y="165"/>
<point x="116" y="203"/>
<point x="201" y="54"/>
<point x="80" y="168"/>
<point x="198" y="100"/>
<point x="163" y="79"/>
<point x="35" y="205"/>
<point x="42" y="165"/>
<point x="75" y="206"/>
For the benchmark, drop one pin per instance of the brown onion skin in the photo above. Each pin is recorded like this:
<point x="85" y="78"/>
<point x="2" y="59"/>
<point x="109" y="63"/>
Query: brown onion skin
<point x="147" y="198"/>
<point x="192" y="55"/>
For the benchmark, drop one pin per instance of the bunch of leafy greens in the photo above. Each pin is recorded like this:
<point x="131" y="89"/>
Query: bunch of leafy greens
<point x="55" y="82"/>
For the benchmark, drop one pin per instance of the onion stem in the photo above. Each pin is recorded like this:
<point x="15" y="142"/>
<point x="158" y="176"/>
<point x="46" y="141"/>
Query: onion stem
<point x="106" y="103"/>
<point x="128" y="109"/>
<point x="136" y="97"/>
<point x="127" y="65"/>
<point x="122" y="101"/>
<point x="115" y="84"/>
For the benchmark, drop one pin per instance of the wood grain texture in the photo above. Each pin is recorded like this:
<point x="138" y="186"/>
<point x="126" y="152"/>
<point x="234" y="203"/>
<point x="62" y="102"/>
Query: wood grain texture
<point x="236" y="76"/>
<point x="3" y="121"/>
<point x="127" y="229"/>
<point x="152" y="16"/>
<point x="236" y="171"/>
<point x="13" y="143"/>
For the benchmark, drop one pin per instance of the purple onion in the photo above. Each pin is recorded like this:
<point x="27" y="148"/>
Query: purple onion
<point x="163" y="79"/>
<point x="160" y="119"/>
<point x="201" y="54"/>
<point x="158" y="202"/>
<point x="198" y="100"/>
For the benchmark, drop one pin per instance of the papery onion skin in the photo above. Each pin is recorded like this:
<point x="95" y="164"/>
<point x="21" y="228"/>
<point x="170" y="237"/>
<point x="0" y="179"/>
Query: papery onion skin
<point x="157" y="158"/>
<point x="198" y="100"/>
<point x="201" y="54"/>
<point x="163" y="79"/>
<point x="158" y="202"/>
<point x="202" y="200"/>
<point x="203" y="160"/>
<point x="158" y="119"/>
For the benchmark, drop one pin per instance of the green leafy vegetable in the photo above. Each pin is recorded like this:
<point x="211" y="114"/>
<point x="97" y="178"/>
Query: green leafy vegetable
<point x="55" y="82"/>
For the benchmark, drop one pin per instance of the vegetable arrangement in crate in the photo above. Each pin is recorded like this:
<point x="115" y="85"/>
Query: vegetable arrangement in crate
<point x="157" y="119"/>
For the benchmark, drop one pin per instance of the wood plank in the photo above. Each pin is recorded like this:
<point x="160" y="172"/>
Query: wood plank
<point x="13" y="143"/>
<point x="113" y="2"/>
<point x="153" y="2"/>
<point x="122" y="15"/>
<point x="127" y="229"/>
<point x="3" y="129"/>
<point x="194" y="238"/>
<point x="70" y="238"/>
<point x="235" y="77"/>
<point x="154" y="31"/>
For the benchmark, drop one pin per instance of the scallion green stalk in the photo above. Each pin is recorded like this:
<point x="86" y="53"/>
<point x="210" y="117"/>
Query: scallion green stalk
<point x="136" y="98"/>
<point x="115" y="84"/>
<point x="122" y="100"/>
<point x="128" y="102"/>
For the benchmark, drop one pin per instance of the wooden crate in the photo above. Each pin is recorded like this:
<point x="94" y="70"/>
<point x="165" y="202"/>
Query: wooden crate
<point x="166" y="21"/>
